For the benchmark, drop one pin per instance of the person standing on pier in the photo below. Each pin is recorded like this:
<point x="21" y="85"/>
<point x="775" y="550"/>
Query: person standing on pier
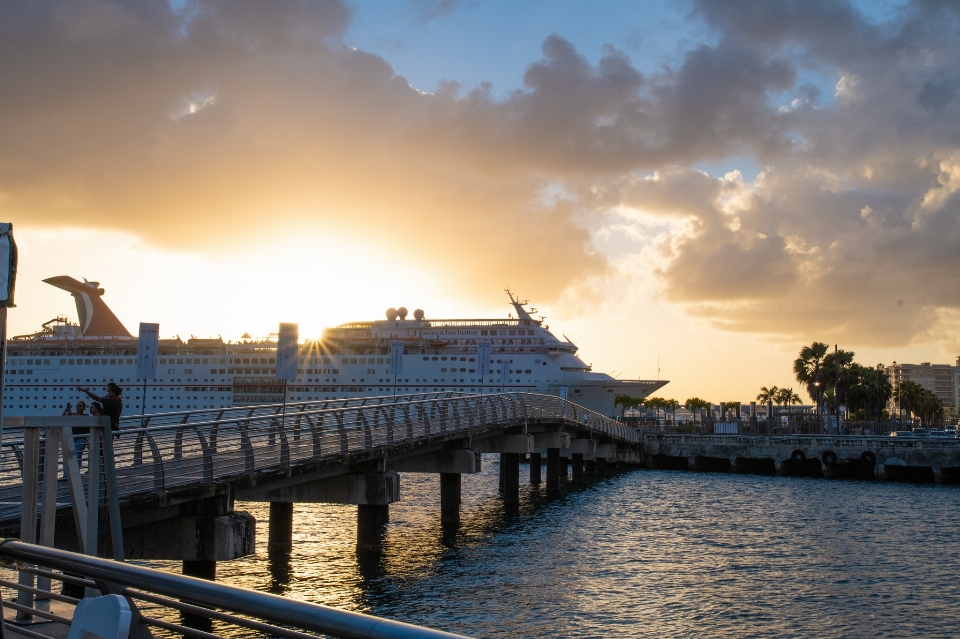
<point x="112" y="403"/>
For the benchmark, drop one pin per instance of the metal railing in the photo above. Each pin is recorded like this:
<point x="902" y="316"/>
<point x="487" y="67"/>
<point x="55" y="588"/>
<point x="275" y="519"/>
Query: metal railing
<point x="163" y="600"/>
<point x="180" y="450"/>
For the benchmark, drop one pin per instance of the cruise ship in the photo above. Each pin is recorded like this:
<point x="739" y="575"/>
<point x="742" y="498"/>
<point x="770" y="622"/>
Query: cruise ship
<point x="348" y="361"/>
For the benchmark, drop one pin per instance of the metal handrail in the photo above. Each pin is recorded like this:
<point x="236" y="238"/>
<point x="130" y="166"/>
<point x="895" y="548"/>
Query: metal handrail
<point x="272" y="608"/>
<point x="227" y="444"/>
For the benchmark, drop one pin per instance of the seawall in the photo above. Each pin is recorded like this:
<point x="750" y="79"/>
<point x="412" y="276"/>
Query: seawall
<point x="885" y="458"/>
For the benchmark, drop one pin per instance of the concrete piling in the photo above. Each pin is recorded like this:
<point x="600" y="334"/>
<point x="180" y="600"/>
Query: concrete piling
<point x="450" y="496"/>
<point x="369" y="528"/>
<point x="577" y="459"/>
<point x="553" y="468"/>
<point x="202" y="569"/>
<point x="510" y="468"/>
<point x="281" y="526"/>
<point x="535" y="468"/>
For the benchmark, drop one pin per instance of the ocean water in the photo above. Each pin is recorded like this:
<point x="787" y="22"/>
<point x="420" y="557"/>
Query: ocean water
<point x="638" y="554"/>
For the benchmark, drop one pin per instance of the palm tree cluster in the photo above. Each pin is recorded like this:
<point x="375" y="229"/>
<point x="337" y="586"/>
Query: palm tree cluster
<point x="779" y="396"/>
<point x="857" y="387"/>
<point x="919" y="402"/>
<point x="626" y="402"/>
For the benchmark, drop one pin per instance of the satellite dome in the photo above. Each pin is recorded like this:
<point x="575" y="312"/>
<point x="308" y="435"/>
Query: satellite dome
<point x="418" y="314"/>
<point x="402" y="312"/>
<point x="391" y="313"/>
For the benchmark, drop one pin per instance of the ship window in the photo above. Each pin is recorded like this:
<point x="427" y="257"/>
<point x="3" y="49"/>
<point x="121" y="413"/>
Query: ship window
<point x="272" y="361"/>
<point x="113" y="361"/>
<point x="463" y="359"/>
<point x="179" y="361"/>
<point x="426" y="359"/>
<point x="206" y="361"/>
<point x="443" y="370"/>
<point x="379" y="360"/>
<point x="471" y="370"/>
<point x="513" y="332"/>
<point x="246" y="360"/>
<point x="544" y="363"/>
<point x="353" y="360"/>
<point x="528" y="372"/>
<point x="472" y="360"/>
<point x="483" y="332"/>
<point x="444" y="358"/>
<point x="96" y="361"/>
<point x="71" y="361"/>
<point x="463" y="370"/>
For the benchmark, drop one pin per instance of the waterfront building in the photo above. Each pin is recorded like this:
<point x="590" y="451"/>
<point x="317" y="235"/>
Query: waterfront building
<point x="943" y="380"/>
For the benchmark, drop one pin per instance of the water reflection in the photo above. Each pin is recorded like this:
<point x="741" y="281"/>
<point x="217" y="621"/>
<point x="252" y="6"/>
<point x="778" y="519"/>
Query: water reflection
<point x="648" y="553"/>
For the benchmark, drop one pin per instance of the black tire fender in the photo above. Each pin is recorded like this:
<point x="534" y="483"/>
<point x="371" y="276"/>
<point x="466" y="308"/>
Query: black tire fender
<point x="867" y="458"/>
<point x="828" y="457"/>
<point x="798" y="456"/>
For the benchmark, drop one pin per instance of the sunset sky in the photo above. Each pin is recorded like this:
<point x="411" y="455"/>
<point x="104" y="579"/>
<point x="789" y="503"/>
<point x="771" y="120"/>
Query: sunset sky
<point x="707" y="184"/>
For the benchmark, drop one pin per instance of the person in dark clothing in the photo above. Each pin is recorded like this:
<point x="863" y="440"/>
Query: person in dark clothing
<point x="112" y="403"/>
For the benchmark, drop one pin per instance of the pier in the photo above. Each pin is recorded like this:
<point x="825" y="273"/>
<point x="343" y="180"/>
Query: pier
<point x="179" y="475"/>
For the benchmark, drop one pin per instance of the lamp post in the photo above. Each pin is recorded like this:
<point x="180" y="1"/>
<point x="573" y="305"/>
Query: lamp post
<point x="816" y="385"/>
<point x="896" y="377"/>
<point x="879" y="368"/>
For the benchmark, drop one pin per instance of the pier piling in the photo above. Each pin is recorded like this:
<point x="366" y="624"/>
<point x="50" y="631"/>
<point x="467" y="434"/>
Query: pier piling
<point x="280" y="536"/>
<point x="553" y="468"/>
<point x="450" y="496"/>
<point x="535" y="468"/>
<point x="577" y="461"/>
<point x="510" y="468"/>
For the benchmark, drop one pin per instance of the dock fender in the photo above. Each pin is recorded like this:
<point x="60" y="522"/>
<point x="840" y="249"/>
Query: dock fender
<point x="828" y="457"/>
<point x="798" y="456"/>
<point x="867" y="458"/>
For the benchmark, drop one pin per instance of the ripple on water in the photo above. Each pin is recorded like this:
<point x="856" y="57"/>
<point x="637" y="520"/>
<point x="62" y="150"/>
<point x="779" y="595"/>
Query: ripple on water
<point x="642" y="554"/>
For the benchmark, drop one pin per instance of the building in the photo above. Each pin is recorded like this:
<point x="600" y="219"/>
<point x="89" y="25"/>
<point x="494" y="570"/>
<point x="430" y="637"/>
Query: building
<point x="943" y="380"/>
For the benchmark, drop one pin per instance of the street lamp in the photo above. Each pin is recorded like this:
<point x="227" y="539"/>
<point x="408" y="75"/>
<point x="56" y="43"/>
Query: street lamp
<point x="879" y="368"/>
<point x="896" y="377"/>
<point x="816" y="385"/>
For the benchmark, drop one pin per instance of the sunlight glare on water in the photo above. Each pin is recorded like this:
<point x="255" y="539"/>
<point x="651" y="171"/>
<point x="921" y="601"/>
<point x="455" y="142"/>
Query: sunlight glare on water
<point x="638" y="554"/>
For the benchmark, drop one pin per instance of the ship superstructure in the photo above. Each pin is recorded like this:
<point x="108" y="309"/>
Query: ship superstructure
<point x="350" y="360"/>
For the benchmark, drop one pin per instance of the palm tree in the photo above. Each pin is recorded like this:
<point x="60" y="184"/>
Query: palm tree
<point x="697" y="405"/>
<point x="785" y="397"/>
<point x="624" y="402"/>
<point x="808" y="365"/>
<point x="767" y="395"/>
<point x="672" y="405"/>
<point x="656" y="403"/>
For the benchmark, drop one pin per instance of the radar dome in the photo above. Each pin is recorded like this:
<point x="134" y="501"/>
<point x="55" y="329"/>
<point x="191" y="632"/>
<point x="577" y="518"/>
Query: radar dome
<point x="418" y="314"/>
<point x="391" y="313"/>
<point x="402" y="312"/>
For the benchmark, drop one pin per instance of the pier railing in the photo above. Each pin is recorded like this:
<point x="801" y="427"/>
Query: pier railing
<point x="195" y="448"/>
<point x="164" y="601"/>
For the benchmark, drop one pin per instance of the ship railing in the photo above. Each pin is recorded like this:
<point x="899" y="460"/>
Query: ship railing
<point x="169" y="457"/>
<point x="174" y="603"/>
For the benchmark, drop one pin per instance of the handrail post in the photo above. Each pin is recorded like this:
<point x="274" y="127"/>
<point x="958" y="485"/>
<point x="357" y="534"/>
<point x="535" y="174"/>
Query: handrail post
<point x="113" y="494"/>
<point x="28" y="509"/>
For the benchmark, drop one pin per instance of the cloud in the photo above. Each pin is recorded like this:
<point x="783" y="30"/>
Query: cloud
<point x="221" y="122"/>
<point x="426" y="10"/>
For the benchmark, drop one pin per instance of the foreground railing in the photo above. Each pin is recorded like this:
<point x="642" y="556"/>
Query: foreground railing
<point x="165" y="600"/>
<point x="202" y="449"/>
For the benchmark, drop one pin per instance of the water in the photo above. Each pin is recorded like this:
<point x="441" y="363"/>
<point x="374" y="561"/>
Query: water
<point x="641" y="554"/>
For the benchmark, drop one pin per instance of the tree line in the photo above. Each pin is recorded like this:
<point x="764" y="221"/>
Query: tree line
<point x="835" y="379"/>
<point x="830" y="378"/>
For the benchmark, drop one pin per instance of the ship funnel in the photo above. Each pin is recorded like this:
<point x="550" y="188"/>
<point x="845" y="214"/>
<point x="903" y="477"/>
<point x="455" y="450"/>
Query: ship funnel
<point x="95" y="316"/>
<point x="418" y="314"/>
<point x="402" y="312"/>
<point x="391" y="313"/>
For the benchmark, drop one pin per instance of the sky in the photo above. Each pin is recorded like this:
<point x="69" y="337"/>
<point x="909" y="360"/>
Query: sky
<point x="687" y="190"/>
